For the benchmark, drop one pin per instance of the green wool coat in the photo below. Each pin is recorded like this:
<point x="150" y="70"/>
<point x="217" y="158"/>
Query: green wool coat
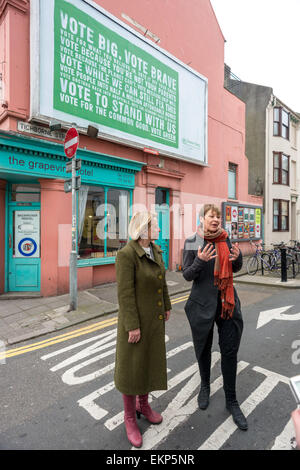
<point x="143" y="299"/>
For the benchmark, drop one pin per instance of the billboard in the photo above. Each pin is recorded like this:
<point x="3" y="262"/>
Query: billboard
<point x="87" y="67"/>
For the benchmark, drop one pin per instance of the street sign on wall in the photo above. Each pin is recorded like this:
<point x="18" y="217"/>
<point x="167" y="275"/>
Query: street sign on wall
<point x="27" y="234"/>
<point x="91" y="68"/>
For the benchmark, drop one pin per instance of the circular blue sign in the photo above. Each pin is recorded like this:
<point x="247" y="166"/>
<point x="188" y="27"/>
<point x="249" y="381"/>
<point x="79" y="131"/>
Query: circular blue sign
<point x="27" y="246"/>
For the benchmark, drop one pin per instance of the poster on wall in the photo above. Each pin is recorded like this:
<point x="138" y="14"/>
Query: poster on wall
<point x="245" y="222"/>
<point x="234" y="214"/>
<point x="89" y="67"/>
<point x="27" y="234"/>
<point x="228" y="214"/>
<point x="234" y="230"/>
<point x="257" y="230"/>
<point x="241" y="214"/>
<point x="228" y="229"/>
<point x="246" y="230"/>
<point x="240" y="230"/>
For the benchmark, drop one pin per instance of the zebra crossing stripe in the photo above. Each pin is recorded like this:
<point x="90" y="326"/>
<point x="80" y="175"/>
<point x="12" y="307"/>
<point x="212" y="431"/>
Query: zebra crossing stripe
<point x="283" y="441"/>
<point x="217" y="439"/>
<point x="175" y="414"/>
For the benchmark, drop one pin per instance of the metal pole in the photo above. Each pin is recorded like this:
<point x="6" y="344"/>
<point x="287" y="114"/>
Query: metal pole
<point x="73" y="254"/>
<point x="283" y="265"/>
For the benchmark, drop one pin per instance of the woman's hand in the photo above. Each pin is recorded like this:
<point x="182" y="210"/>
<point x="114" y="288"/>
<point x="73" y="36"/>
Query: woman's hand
<point x="167" y="315"/>
<point x="134" y="336"/>
<point x="207" y="253"/>
<point x="234" y="252"/>
<point x="296" y="421"/>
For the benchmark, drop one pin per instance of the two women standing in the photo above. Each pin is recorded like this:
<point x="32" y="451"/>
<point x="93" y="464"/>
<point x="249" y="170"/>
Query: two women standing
<point x="144" y="306"/>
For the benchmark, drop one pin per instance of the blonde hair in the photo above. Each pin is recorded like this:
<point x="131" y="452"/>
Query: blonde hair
<point x="139" y="224"/>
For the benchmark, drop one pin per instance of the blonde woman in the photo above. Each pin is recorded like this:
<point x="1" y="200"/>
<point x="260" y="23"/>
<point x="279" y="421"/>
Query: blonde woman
<point x="144" y="306"/>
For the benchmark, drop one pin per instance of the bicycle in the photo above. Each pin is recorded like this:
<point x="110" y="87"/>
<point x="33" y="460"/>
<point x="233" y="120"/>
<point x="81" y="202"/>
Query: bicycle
<point x="269" y="260"/>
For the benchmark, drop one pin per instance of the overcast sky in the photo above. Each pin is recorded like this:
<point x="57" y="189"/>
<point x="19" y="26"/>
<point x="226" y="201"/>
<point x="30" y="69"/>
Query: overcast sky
<point x="263" y="43"/>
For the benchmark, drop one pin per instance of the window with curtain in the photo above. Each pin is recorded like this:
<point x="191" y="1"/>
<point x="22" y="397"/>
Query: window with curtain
<point x="281" y="168"/>
<point x="281" y="123"/>
<point x="102" y="221"/>
<point x="280" y="215"/>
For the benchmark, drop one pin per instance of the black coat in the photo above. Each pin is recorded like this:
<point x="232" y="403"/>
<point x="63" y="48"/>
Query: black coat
<point x="201" y="307"/>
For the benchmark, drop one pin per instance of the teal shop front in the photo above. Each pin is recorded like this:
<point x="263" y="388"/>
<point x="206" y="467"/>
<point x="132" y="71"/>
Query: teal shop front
<point x="36" y="221"/>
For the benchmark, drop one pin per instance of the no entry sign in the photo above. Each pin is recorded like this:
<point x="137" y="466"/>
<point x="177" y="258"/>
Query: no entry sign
<point x="71" y="142"/>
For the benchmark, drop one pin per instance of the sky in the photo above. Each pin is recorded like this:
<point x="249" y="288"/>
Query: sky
<point x="262" y="43"/>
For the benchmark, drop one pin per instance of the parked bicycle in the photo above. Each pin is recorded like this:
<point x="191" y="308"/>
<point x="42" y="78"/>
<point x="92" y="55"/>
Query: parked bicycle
<point x="269" y="260"/>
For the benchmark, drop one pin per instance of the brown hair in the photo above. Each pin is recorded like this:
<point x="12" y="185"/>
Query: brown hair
<point x="209" y="207"/>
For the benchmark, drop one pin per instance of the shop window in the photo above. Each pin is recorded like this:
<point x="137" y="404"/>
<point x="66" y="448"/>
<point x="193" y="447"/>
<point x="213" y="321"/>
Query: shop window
<point x="25" y="193"/>
<point x="281" y="168"/>
<point x="280" y="215"/>
<point x="281" y="123"/>
<point x="232" y="170"/>
<point x="102" y="221"/>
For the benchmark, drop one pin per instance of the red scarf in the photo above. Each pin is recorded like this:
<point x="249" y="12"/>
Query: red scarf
<point x="223" y="277"/>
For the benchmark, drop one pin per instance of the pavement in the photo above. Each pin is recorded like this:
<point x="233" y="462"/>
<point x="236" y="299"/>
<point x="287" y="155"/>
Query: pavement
<point x="24" y="317"/>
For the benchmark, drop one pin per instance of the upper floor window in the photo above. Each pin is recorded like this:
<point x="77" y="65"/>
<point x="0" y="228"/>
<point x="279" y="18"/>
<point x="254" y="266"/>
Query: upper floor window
<point x="281" y="123"/>
<point x="280" y="215"/>
<point x="281" y="173"/>
<point x="232" y="170"/>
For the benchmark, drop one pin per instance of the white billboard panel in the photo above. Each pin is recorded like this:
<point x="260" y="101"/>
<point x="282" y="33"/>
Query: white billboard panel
<point x="88" y="67"/>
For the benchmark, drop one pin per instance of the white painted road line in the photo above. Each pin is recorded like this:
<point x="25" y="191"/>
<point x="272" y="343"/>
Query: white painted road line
<point x="176" y="413"/>
<point x="283" y="441"/>
<point x="226" y="429"/>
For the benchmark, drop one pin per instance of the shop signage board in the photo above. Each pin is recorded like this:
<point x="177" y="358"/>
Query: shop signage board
<point x="91" y="68"/>
<point x="27" y="234"/>
<point x="242" y="222"/>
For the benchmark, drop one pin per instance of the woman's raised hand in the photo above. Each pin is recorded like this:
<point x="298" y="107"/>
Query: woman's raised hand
<point x="234" y="252"/>
<point x="207" y="253"/>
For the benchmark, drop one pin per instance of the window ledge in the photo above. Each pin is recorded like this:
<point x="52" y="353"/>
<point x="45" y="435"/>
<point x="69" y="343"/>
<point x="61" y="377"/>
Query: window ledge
<point x="82" y="263"/>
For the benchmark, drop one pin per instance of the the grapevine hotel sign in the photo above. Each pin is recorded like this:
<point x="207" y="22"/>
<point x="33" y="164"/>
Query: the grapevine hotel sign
<point x="91" y="68"/>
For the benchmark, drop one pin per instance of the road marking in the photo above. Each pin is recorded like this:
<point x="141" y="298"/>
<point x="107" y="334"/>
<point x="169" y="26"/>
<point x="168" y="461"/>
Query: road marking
<point x="175" y="413"/>
<point x="76" y="345"/>
<point x="275" y="314"/>
<point x="58" y="339"/>
<point x="66" y="336"/>
<point x="218" y="438"/>
<point x="283" y="441"/>
<point x="182" y="406"/>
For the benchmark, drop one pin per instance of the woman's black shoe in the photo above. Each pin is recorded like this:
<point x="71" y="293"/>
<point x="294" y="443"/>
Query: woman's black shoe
<point x="237" y="415"/>
<point x="203" y="397"/>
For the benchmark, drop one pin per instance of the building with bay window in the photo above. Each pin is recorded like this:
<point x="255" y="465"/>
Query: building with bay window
<point x="273" y="151"/>
<point x="168" y="136"/>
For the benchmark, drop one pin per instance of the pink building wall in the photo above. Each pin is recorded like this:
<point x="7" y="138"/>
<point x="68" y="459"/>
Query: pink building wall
<point x="188" y="30"/>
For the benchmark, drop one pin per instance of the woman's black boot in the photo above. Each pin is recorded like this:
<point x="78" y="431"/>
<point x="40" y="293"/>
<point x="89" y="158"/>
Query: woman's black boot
<point x="237" y="415"/>
<point x="203" y="397"/>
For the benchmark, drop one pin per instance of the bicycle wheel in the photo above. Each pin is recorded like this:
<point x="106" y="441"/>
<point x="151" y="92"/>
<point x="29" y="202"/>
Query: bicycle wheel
<point x="289" y="266"/>
<point x="267" y="261"/>
<point x="252" y="265"/>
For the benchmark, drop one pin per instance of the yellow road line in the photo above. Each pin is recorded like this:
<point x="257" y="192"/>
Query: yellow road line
<point x="182" y="299"/>
<point x="51" y="341"/>
<point x="66" y="336"/>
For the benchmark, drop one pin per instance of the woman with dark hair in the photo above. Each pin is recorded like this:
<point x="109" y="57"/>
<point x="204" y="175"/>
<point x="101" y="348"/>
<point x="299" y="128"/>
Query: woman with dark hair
<point x="209" y="260"/>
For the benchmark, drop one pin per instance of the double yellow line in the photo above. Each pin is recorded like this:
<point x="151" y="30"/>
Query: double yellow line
<point x="72" y="334"/>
